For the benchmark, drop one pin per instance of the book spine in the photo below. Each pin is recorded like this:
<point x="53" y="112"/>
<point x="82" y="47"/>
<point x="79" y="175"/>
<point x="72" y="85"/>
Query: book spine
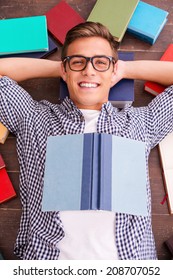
<point x="95" y="197"/>
<point x="87" y="171"/>
<point x="106" y="172"/>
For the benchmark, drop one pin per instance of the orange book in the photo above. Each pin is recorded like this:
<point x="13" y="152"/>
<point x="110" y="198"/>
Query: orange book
<point x="6" y="188"/>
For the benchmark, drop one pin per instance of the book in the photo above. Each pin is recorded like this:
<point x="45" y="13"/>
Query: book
<point x="52" y="47"/>
<point x="3" y="133"/>
<point x="95" y="171"/>
<point x="24" y="34"/>
<point x="120" y="94"/>
<point x="114" y="14"/>
<point x="6" y="188"/>
<point x="60" y="19"/>
<point x="147" y="22"/>
<point x="155" y="88"/>
<point x="166" y="157"/>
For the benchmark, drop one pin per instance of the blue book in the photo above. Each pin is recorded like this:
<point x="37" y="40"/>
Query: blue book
<point x="147" y="22"/>
<point x="22" y="35"/>
<point x="52" y="47"/>
<point x="112" y="177"/>
<point x="120" y="94"/>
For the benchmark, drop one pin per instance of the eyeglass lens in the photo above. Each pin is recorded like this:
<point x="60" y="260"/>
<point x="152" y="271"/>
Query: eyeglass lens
<point x="78" y="63"/>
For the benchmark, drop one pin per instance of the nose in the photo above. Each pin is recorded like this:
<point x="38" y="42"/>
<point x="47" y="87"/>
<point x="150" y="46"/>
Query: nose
<point x="89" y="69"/>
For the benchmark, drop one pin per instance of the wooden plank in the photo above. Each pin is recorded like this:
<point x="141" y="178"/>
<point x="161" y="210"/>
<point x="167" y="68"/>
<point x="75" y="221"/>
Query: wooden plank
<point x="163" y="229"/>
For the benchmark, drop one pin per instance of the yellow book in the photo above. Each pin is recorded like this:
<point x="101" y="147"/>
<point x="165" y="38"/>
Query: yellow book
<point x="3" y="133"/>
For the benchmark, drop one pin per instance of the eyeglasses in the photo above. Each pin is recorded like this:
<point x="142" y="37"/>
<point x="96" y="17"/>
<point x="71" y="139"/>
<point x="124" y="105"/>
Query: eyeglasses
<point x="77" y="63"/>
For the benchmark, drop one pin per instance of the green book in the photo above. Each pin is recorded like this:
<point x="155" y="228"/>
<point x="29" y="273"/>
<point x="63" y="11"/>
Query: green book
<point x="115" y="14"/>
<point x="23" y="35"/>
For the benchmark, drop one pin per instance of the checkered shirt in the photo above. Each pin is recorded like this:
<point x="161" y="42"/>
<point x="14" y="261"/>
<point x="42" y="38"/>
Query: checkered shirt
<point x="32" y="122"/>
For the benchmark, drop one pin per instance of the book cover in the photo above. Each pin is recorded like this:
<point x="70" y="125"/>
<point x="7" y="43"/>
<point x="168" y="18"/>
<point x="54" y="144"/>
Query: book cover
<point x="147" y="22"/>
<point x="52" y="47"/>
<point x="166" y="156"/>
<point x="155" y="88"/>
<point x="60" y="19"/>
<point x="120" y="94"/>
<point x="114" y="168"/>
<point x="3" y="133"/>
<point x="24" y="34"/>
<point x="6" y="188"/>
<point x="114" y="14"/>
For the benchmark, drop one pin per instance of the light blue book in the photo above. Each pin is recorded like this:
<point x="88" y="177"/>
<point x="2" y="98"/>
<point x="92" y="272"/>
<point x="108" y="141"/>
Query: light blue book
<point x="23" y="35"/>
<point x="120" y="185"/>
<point x="147" y="22"/>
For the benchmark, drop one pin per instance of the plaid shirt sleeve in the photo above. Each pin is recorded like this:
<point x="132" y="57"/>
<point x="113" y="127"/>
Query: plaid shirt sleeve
<point x="159" y="117"/>
<point x="15" y="103"/>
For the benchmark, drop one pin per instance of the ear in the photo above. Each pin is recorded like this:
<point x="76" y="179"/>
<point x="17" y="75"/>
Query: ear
<point x="64" y="73"/>
<point x="114" y="75"/>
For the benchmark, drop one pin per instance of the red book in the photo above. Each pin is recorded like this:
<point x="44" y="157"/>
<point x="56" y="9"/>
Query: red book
<point x="155" y="88"/>
<point x="60" y="19"/>
<point x="6" y="188"/>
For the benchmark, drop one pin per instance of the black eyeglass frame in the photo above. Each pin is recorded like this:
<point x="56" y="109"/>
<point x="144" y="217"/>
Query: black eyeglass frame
<point x="68" y="58"/>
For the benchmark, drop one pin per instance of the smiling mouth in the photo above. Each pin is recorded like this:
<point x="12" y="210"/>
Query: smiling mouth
<point x="88" y="85"/>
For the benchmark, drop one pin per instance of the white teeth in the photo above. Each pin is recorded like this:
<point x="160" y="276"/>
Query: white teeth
<point x="88" y="85"/>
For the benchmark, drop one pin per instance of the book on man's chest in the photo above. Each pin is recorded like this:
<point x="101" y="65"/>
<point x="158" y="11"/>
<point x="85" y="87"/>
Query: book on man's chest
<point x="114" y="14"/>
<point x="24" y="34"/>
<point x="95" y="172"/>
<point x="6" y="188"/>
<point x="3" y="133"/>
<point x="166" y="156"/>
<point x="120" y="94"/>
<point x="155" y="88"/>
<point x="60" y="19"/>
<point x="147" y="22"/>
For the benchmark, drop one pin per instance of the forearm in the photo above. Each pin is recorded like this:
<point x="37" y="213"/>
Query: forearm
<point x="157" y="71"/>
<point x="21" y="69"/>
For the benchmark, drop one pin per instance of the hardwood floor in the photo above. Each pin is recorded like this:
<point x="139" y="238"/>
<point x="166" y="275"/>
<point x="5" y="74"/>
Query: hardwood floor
<point x="10" y="211"/>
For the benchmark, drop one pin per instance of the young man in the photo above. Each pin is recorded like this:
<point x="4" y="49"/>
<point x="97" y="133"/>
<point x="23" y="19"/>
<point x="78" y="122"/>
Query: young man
<point x="90" y="67"/>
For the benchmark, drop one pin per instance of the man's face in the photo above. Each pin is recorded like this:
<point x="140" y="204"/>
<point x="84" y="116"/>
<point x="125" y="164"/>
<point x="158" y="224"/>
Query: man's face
<point x="89" y="88"/>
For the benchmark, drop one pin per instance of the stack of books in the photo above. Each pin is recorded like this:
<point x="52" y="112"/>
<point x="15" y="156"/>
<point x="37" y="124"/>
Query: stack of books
<point x="96" y="171"/>
<point x="6" y="188"/>
<point x="155" y="88"/>
<point x="23" y="35"/>
<point x="142" y="20"/>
